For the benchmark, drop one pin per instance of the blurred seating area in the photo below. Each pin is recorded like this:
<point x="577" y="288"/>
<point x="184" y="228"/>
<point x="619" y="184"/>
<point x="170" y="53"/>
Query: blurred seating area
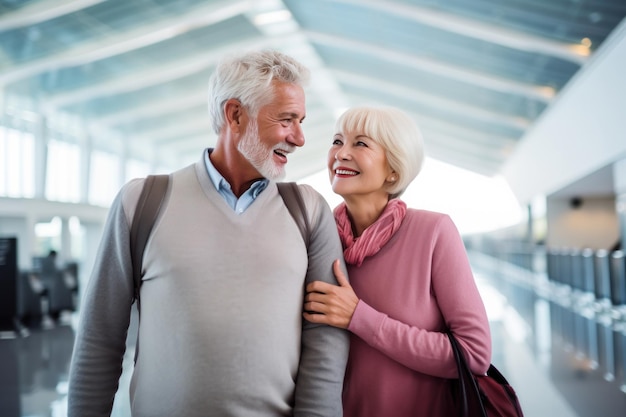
<point x="573" y="304"/>
<point x="43" y="295"/>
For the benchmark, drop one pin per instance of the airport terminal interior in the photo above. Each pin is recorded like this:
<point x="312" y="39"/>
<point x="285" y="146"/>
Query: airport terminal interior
<point x="521" y="104"/>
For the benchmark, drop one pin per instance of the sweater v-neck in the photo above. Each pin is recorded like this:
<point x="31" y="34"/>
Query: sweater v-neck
<point x="216" y="198"/>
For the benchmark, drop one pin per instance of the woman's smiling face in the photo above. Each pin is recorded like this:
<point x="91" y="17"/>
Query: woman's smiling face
<point x="357" y="166"/>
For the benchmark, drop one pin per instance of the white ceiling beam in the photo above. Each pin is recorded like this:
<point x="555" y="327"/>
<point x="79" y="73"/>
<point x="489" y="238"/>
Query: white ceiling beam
<point x="447" y="149"/>
<point x="41" y="11"/>
<point x="462" y="160"/>
<point x="491" y="82"/>
<point x="154" y="109"/>
<point x="155" y="76"/>
<point x="122" y="42"/>
<point x="431" y="100"/>
<point x="467" y="135"/>
<point x="470" y="134"/>
<point x="495" y="34"/>
<point x="186" y="128"/>
<point x="463" y="146"/>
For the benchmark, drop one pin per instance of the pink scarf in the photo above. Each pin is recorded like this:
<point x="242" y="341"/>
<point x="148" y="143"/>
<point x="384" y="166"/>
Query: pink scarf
<point x="355" y="250"/>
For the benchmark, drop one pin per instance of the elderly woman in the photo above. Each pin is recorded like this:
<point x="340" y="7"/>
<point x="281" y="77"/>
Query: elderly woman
<point x="410" y="278"/>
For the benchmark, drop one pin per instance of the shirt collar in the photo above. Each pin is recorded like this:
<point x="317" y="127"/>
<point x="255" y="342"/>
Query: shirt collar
<point x="220" y="182"/>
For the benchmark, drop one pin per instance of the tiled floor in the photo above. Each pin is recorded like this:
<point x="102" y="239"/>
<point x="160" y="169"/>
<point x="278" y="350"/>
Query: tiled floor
<point x="34" y="369"/>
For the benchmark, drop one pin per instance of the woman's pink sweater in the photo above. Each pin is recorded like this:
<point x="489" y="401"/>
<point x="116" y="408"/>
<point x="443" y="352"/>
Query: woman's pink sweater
<point x="418" y="285"/>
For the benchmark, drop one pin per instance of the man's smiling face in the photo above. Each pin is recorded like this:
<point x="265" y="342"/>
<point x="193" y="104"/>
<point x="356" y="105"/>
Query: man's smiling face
<point x="276" y="131"/>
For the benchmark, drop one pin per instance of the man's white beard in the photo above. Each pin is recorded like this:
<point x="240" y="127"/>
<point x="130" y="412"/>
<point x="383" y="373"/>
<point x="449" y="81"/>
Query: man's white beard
<point x="259" y="155"/>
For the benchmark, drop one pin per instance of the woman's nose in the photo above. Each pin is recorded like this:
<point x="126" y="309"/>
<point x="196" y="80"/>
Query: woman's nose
<point x="342" y="154"/>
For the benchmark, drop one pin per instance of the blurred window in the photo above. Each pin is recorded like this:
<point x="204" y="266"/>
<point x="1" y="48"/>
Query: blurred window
<point x="63" y="171"/>
<point x="136" y="169"/>
<point x="17" y="163"/>
<point x="104" y="178"/>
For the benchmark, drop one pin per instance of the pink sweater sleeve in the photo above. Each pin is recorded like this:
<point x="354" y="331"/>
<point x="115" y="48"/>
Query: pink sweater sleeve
<point x="453" y="302"/>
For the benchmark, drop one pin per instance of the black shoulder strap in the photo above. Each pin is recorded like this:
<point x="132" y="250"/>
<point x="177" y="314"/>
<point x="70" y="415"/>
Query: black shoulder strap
<point x="146" y="212"/>
<point x="290" y="193"/>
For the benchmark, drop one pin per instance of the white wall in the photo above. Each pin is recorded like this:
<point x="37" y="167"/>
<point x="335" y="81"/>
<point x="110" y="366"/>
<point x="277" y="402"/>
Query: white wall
<point x="18" y="217"/>
<point x="18" y="227"/>
<point x="594" y="224"/>
<point x="582" y="131"/>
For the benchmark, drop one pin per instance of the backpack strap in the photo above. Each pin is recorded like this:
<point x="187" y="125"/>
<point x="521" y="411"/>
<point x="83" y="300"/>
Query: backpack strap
<point x="292" y="197"/>
<point x="146" y="212"/>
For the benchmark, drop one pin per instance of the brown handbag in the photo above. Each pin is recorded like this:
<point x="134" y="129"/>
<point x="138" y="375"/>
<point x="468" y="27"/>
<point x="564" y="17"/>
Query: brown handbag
<point x="488" y="395"/>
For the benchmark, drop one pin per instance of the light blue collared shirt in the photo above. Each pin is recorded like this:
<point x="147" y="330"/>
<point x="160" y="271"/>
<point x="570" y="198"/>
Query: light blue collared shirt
<point x="239" y="205"/>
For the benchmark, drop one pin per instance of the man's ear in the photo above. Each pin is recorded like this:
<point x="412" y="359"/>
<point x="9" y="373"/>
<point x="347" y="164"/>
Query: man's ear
<point x="233" y="112"/>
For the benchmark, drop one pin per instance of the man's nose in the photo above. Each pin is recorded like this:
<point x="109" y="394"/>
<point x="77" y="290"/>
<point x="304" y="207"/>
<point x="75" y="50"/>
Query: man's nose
<point x="297" y="136"/>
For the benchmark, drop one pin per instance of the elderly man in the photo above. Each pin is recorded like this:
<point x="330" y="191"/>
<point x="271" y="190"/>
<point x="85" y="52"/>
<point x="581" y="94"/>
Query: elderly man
<point x="223" y="275"/>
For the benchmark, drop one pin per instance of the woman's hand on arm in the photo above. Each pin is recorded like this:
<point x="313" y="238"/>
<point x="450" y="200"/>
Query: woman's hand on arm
<point x="330" y="304"/>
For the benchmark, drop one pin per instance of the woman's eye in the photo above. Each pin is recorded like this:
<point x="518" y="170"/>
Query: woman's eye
<point x="336" y="142"/>
<point x="361" y="143"/>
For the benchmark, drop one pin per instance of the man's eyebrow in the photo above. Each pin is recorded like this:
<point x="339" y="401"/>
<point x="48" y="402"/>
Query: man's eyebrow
<point x="290" y="115"/>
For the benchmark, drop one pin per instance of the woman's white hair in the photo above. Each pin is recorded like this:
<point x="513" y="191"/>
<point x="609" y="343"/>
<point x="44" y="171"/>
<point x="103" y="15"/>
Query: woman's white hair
<point x="248" y="78"/>
<point x="396" y="132"/>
